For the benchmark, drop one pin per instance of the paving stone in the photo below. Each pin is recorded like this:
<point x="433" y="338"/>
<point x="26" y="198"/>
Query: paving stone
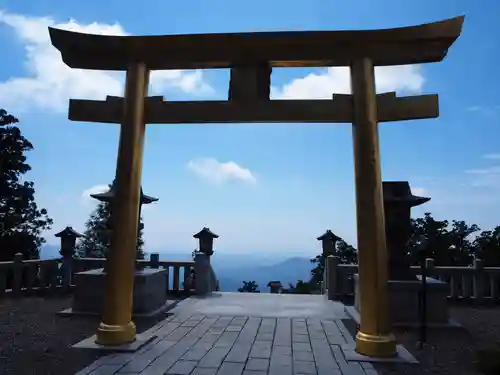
<point x="347" y="368"/>
<point x="261" y="349"/>
<point x="315" y="328"/>
<point x="323" y="355"/>
<point x="333" y="333"/>
<point x="204" y="371"/>
<point x="249" y="372"/>
<point x="257" y="364"/>
<point x="303" y="356"/>
<point x="234" y="328"/>
<point x="367" y="365"/>
<point x="302" y="367"/>
<point x="214" y="357"/>
<point x="300" y="338"/>
<point x="345" y="333"/>
<point x="249" y="330"/>
<point x="282" y="360"/>
<point x="223" y="322"/>
<point x="324" y="371"/>
<point x="264" y="337"/>
<point x="239" y="320"/>
<point x="280" y="370"/>
<point x="182" y="367"/>
<point x="143" y="360"/>
<point x="281" y="349"/>
<point x="106" y="370"/>
<point x="190" y="323"/>
<point x="239" y="352"/>
<point x="119" y="359"/>
<point x="301" y="346"/>
<point x="230" y="368"/>
<point x="226" y="339"/>
<point x="299" y="327"/>
<point x="283" y="333"/>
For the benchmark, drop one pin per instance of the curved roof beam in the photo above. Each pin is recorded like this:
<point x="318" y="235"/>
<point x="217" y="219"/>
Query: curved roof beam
<point x="406" y="45"/>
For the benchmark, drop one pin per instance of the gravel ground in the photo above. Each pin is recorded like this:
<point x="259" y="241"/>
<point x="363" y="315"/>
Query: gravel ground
<point x="34" y="340"/>
<point x="450" y="351"/>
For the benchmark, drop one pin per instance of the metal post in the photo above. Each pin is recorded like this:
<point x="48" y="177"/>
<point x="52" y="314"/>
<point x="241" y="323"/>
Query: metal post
<point x="423" y="296"/>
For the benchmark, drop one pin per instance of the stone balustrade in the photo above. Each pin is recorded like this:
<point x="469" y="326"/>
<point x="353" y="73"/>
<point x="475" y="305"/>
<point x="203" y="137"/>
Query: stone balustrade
<point x="476" y="285"/>
<point x="23" y="277"/>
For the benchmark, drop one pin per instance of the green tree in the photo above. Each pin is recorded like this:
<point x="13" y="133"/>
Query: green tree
<point x="448" y="245"/>
<point x="301" y="287"/>
<point x="249" y="287"/>
<point x="97" y="235"/>
<point x="487" y="247"/>
<point x="21" y="221"/>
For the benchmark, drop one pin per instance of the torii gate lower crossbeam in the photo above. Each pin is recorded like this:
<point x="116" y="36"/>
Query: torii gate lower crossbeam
<point x="250" y="57"/>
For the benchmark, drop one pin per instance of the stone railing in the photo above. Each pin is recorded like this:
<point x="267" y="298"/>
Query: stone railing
<point x="477" y="284"/>
<point x="23" y="277"/>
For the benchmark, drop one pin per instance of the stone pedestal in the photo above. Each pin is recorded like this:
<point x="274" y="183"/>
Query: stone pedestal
<point x="150" y="292"/>
<point x="404" y="301"/>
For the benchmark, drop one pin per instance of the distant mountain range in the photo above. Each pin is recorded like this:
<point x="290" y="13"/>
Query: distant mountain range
<point x="233" y="269"/>
<point x="288" y="271"/>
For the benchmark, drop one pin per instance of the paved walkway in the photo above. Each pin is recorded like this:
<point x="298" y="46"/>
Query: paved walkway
<point x="203" y="339"/>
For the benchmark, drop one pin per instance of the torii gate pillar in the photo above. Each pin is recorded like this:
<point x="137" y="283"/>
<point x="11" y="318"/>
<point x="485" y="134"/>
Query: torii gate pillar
<point x="374" y="337"/>
<point x="116" y="325"/>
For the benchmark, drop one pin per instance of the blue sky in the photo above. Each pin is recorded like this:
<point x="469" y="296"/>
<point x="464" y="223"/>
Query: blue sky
<point x="262" y="188"/>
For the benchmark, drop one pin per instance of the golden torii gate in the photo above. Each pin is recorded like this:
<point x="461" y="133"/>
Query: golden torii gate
<point x="251" y="57"/>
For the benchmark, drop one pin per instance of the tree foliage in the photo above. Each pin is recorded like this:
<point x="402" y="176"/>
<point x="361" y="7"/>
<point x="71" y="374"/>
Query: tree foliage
<point x="21" y="221"/>
<point x="249" y="287"/>
<point x="97" y="235"/>
<point x="450" y="245"/>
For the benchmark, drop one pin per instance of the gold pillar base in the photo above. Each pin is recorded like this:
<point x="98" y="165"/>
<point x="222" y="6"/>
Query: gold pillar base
<point x="115" y="335"/>
<point x="376" y="345"/>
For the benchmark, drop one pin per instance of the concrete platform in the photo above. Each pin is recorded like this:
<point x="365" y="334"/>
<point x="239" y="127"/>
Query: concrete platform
<point x="262" y="305"/>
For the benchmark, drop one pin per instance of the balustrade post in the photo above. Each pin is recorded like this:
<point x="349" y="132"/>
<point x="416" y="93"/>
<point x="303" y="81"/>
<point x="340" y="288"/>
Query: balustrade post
<point x="17" y="277"/>
<point x="202" y="274"/>
<point x="154" y="260"/>
<point x="478" y="283"/>
<point x="331" y="276"/>
<point x="430" y="266"/>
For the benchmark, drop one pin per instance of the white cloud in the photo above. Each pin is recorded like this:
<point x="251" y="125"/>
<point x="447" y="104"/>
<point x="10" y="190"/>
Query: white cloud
<point x="405" y="78"/>
<point x="490" y="170"/>
<point x="49" y="83"/>
<point x="216" y="172"/>
<point x="419" y="191"/>
<point x="492" y="156"/>
<point x="87" y="200"/>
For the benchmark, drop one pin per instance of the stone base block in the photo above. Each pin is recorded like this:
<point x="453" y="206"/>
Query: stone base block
<point x="404" y="301"/>
<point x="140" y="341"/>
<point x="150" y="291"/>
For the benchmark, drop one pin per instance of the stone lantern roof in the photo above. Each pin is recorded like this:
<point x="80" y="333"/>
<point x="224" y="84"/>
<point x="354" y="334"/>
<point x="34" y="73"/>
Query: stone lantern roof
<point x="328" y="235"/>
<point x="205" y="233"/>
<point x="68" y="232"/>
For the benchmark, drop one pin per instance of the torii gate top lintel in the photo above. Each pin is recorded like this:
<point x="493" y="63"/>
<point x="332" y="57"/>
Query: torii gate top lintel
<point x="398" y="46"/>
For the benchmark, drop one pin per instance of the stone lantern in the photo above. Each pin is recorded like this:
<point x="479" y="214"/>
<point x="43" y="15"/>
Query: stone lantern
<point x="68" y="238"/>
<point x="206" y="241"/>
<point x="328" y="243"/>
<point x="398" y="201"/>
